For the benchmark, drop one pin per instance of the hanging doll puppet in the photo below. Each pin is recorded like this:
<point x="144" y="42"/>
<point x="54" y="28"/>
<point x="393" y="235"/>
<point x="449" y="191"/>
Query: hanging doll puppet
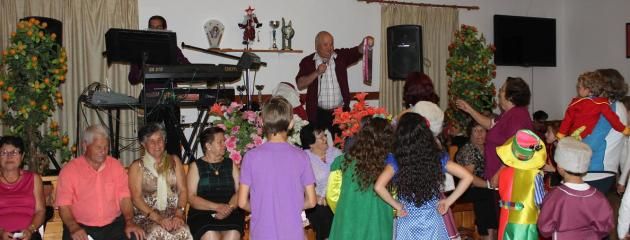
<point x="249" y="25"/>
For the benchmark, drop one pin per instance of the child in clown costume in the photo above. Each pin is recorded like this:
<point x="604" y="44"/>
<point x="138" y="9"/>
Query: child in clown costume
<point x="521" y="185"/>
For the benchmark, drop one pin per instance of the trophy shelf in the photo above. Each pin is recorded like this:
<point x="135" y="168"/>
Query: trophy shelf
<point x="255" y="50"/>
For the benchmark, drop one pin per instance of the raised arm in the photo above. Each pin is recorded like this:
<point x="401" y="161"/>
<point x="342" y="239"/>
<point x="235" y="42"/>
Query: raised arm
<point x="484" y="121"/>
<point x="305" y="78"/>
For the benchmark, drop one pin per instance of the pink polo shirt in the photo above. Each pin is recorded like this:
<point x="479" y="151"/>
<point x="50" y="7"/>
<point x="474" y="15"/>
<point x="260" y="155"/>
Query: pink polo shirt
<point x="93" y="196"/>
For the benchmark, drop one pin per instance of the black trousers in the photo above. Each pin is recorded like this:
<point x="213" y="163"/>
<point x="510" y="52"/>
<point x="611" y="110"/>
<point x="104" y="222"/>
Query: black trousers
<point x="486" y="208"/>
<point x="325" y="121"/>
<point x="112" y="231"/>
<point x="321" y="220"/>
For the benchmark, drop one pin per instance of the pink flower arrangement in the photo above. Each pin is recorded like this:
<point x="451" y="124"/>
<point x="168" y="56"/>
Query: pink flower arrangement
<point x="243" y="129"/>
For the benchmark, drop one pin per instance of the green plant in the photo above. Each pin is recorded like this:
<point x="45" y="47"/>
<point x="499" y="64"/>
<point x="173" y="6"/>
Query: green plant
<point x="471" y="70"/>
<point x="33" y="68"/>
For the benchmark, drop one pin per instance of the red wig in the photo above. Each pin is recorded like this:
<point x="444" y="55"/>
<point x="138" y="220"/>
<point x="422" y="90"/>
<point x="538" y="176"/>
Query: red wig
<point x="419" y="87"/>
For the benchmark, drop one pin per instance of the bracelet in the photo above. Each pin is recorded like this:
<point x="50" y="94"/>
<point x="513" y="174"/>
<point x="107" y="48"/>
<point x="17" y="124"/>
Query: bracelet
<point x="32" y="228"/>
<point x="488" y="184"/>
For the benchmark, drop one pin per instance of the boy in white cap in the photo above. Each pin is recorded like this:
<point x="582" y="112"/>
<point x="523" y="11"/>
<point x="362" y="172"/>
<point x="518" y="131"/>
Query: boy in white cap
<point x="574" y="210"/>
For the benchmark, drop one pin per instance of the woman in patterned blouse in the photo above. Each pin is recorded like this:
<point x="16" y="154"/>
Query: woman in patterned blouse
<point x="471" y="157"/>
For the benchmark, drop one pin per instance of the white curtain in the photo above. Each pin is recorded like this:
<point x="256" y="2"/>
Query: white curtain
<point x="84" y="26"/>
<point x="438" y="26"/>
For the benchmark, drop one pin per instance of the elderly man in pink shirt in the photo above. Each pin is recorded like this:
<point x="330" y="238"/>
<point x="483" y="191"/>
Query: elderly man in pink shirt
<point x="93" y="193"/>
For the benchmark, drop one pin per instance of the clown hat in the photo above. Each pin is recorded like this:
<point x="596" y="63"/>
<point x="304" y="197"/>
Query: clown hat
<point x="432" y="113"/>
<point x="524" y="151"/>
<point x="286" y="90"/>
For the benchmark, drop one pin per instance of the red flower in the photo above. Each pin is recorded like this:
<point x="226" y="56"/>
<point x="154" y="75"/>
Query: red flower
<point x="360" y="96"/>
<point x="216" y="109"/>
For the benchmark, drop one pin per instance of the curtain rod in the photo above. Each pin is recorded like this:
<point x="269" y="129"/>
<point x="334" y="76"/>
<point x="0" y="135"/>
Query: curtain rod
<point x="422" y="4"/>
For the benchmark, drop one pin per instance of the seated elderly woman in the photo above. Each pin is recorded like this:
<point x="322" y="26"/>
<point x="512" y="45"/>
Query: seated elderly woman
<point x="471" y="157"/>
<point x="212" y="185"/>
<point x="321" y="156"/>
<point x="22" y="208"/>
<point x="158" y="188"/>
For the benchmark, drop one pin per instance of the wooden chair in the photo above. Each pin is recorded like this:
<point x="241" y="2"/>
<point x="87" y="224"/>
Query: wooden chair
<point x="463" y="213"/>
<point x="54" y="227"/>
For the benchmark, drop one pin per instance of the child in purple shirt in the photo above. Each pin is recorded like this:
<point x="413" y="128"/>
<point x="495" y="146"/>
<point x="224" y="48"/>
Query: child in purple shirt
<point x="277" y="180"/>
<point x="574" y="210"/>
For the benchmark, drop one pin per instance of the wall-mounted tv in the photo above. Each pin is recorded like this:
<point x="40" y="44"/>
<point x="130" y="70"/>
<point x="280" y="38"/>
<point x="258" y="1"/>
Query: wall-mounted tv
<point x="524" y="41"/>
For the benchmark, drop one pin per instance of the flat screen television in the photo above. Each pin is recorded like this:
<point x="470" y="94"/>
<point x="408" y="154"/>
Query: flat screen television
<point x="524" y="41"/>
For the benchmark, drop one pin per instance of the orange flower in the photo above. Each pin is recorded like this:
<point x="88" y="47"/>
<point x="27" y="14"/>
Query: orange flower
<point x="216" y="109"/>
<point x="360" y="96"/>
<point x="6" y="96"/>
<point x="44" y="25"/>
<point x="338" y="141"/>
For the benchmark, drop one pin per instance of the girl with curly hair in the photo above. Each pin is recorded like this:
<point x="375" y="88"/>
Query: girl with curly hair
<point x="417" y="167"/>
<point x="359" y="212"/>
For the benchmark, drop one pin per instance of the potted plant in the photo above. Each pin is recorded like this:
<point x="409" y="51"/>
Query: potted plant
<point x="32" y="69"/>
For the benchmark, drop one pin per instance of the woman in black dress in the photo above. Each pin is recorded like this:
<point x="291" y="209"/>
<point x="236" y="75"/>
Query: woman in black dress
<point x="212" y="186"/>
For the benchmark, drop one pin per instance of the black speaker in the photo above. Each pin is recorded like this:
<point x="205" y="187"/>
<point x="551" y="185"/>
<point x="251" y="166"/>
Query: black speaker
<point x="54" y="26"/>
<point x="404" y="51"/>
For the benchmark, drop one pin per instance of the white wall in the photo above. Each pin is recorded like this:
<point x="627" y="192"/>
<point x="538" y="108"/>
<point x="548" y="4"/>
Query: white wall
<point x="597" y="37"/>
<point x="590" y="35"/>
<point x="348" y="21"/>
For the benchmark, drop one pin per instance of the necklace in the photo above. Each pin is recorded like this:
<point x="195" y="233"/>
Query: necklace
<point x="215" y="169"/>
<point x="7" y="180"/>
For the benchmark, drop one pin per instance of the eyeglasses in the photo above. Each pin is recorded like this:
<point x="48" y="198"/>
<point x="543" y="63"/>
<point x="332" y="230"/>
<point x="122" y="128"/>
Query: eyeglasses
<point x="9" y="154"/>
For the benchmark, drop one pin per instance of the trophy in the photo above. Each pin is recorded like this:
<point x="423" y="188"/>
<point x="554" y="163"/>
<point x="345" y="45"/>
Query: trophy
<point x="259" y="88"/>
<point x="240" y="89"/>
<point x="274" y="25"/>
<point x="287" y="34"/>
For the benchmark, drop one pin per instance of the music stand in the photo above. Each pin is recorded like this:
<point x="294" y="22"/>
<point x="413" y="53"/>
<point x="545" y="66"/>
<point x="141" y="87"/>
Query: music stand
<point x="141" y="48"/>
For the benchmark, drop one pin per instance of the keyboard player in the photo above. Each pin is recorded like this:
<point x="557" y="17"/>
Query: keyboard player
<point x="168" y="114"/>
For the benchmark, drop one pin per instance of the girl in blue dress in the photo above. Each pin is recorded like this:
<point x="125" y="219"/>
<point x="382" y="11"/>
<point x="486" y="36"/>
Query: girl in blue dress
<point x="417" y="167"/>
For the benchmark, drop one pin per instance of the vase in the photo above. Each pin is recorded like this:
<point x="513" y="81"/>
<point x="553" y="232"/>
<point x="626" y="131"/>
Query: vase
<point x="214" y="30"/>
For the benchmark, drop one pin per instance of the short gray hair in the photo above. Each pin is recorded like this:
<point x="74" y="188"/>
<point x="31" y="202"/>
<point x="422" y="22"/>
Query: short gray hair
<point x="92" y="131"/>
<point x="147" y="130"/>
